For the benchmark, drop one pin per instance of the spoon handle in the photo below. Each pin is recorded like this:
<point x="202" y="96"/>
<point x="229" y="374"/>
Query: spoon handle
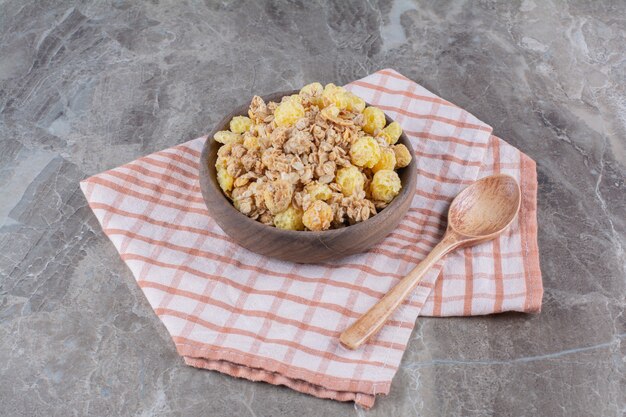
<point x="370" y="323"/>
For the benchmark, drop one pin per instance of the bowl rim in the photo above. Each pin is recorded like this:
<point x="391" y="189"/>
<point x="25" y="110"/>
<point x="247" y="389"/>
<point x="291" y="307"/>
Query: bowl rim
<point x="379" y="218"/>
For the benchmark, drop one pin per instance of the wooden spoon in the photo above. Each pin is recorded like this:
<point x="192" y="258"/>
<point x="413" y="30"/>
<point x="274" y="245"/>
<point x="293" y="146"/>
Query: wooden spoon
<point x="479" y="213"/>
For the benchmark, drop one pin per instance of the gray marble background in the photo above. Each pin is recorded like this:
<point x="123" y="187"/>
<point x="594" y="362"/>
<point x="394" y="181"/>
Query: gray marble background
<point x="86" y="86"/>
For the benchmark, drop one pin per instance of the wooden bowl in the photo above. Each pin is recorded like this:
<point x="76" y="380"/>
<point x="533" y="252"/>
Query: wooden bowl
<point x="291" y="245"/>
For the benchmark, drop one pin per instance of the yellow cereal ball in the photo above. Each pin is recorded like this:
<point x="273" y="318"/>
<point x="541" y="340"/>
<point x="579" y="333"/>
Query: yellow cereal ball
<point x="387" y="160"/>
<point x="251" y="142"/>
<point x="392" y="132"/>
<point x="240" y="124"/>
<point x="374" y="119"/>
<point x="350" y="179"/>
<point x="385" y="185"/>
<point x="225" y="179"/>
<point x="288" y="112"/>
<point x="221" y="162"/>
<point x="336" y="95"/>
<point x="403" y="155"/>
<point x="355" y="103"/>
<point x="319" y="191"/>
<point x="365" y="152"/>
<point x="226" y="137"/>
<point x="313" y="89"/>
<point x="290" y="219"/>
<point x="296" y="97"/>
<point x="331" y="89"/>
<point x="318" y="216"/>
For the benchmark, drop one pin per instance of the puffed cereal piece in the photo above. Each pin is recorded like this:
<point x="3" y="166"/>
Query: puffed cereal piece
<point x="296" y="97"/>
<point x="374" y="119"/>
<point x="277" y="196"/>
<point x="336" y="95"/>
<point x="240" y="124"/>
<point x="350" y="179"/>
<point x="318" y="216"/>
<point x="329" y="89"/>
<point x="385" y="185"/>
<point x="355" y="103"/>
<point x="288" y="112"/>
<point x="403" y="155"/>
<point x="313" y="89"/>
<point x="392" y="132"/>
<point x="318" y="191"/>
<point x="226" y="137"/>
<point x="387" y="160"/>
<point x="290" y="219"/>
<point x="365" y="152"/>
<point x="224" y="179"/>
<point x="251" y="142"/>
<point x="221" y="162"/>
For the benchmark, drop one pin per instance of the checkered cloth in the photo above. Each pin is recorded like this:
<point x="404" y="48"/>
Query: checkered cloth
<point x="230" y="310"/>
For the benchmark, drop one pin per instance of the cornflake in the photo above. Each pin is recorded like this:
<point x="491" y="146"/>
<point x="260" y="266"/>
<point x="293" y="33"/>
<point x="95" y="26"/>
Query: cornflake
<point x="316" y="160"/>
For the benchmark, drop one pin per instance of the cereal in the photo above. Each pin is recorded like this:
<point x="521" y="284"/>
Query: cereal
<point x="385" y="185"/>
<point x="403" y="156"/>
<point x="387" y="160"/>
<point x="318" y="191"/>
<point x="330" y="112"/>
<point x="392" y="132"/>
<point x="240" y="124"/>
<point x="356" y="103"/>
<point x="277" y="196"/>
<point x="258" y="109"/>
<point x="365" y="152"/>
<point x="279" y="136"/>
<point x="350" y="179"/>
<point x="313" y="89"/>
<point x="288" y="112"/>
<point x="358" y="210"/>
<point x="290" y="219"/>
<point x="244" y="203"/>
<point x="374" y="119"/>
<point x="300" y="143"/>
<point x="318" y="216"/>
<point x="251" y="142"/>
<point x="225" y="180"/>
<point x="315" y="160"/>
<point x="313" y="93"/>
<point x="226" y="137"/>
<point x="335" y="95"/>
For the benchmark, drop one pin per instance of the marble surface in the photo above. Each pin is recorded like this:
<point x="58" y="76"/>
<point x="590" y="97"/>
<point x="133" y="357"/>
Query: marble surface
<point x="89" y="85"/>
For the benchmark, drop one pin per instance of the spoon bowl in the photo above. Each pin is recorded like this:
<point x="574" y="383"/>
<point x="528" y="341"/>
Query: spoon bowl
<point x="477" y="214"/>
<point x="485" y="208"/>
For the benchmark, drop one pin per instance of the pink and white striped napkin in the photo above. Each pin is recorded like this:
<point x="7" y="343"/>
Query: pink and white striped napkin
<point x="230" y="310"/>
